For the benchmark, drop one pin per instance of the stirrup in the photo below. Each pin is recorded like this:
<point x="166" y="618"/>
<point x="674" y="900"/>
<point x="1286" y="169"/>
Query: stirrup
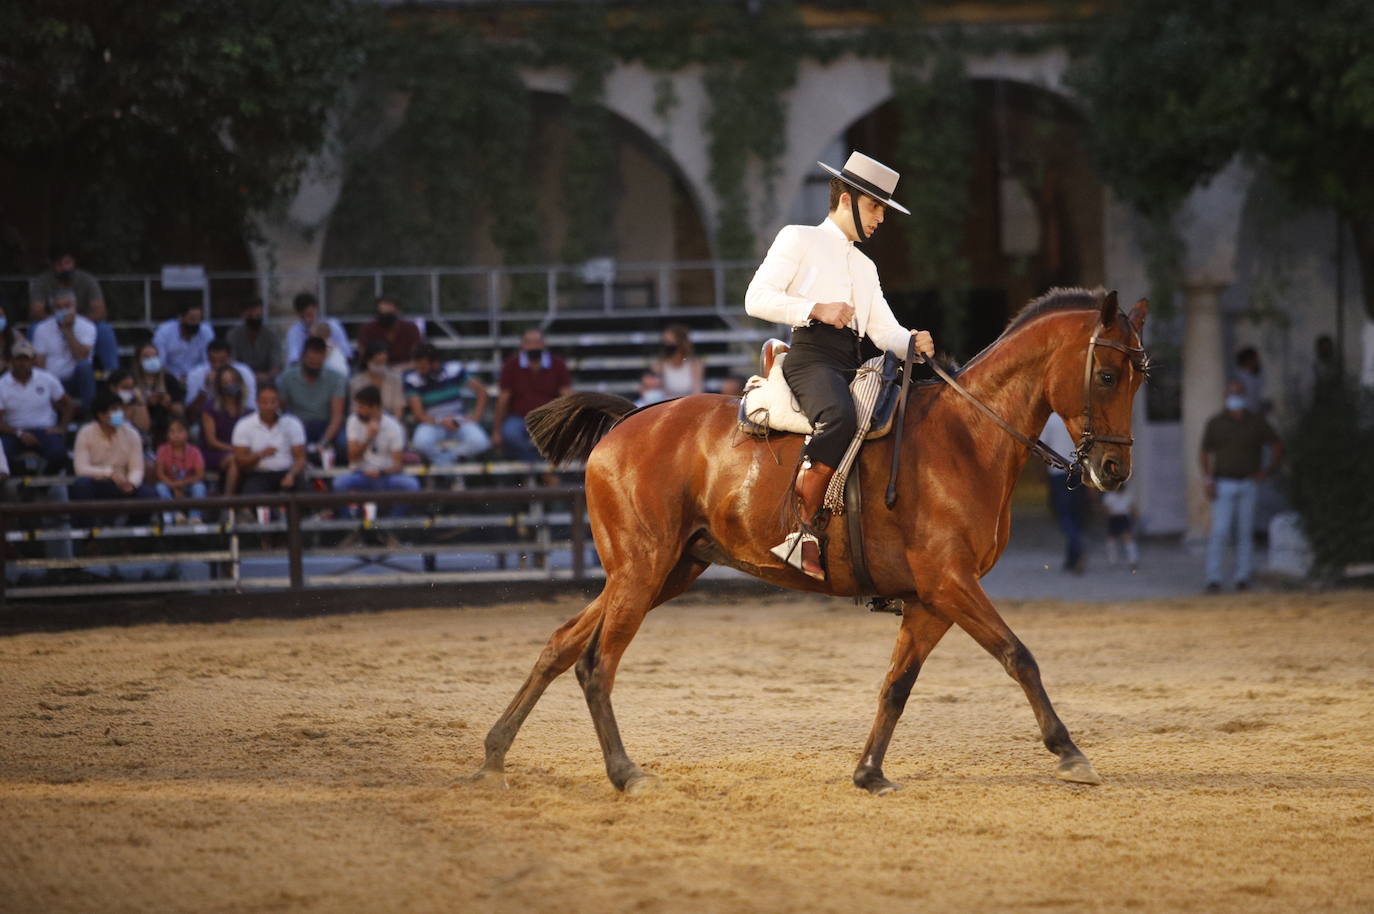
<point x="789" y="550"/>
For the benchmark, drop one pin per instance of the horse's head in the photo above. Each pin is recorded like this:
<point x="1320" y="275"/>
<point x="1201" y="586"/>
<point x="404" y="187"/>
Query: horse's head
<point x="1092" y="385"/>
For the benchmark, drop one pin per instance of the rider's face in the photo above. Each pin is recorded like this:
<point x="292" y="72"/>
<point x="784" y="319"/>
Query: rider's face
<point x="871" y="215"/>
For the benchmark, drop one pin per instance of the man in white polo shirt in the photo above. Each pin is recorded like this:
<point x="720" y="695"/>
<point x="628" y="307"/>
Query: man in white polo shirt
<point x="269" y="447"/>
<point x="34" y="411"/>
<point x="63" y="344"/>
<point x="376" y="442"/>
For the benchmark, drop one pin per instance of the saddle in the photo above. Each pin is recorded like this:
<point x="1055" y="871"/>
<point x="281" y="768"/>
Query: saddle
<point x="768" y="404"/>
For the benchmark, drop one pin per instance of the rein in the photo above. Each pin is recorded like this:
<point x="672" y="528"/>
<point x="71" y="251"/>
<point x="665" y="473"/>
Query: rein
<point x="1049" y="455"/>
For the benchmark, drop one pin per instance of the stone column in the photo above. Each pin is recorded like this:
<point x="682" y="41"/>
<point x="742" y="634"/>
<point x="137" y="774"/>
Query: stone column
<point x="1204" y="374"/>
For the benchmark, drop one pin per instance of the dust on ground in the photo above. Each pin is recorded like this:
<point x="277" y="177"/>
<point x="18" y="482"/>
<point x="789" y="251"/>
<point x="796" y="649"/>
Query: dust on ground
<point x="320" y="765"/>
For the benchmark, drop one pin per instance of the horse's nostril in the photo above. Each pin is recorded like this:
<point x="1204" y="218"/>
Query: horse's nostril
<point x="1112" y="468"/>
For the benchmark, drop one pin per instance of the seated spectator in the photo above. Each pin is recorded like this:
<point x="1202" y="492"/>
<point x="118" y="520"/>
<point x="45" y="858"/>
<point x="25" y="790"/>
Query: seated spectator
<point x="182" y="341"/>
<point x="269" y="447"/>
<point x="108" y="455"/>
<point x="34" y="411"/>
<point x="732" y="386"/>
<point x="160" y="390"/>
<point x="6" y="340"/>
<point x="64" y="343"/>
<point x="216" y="357"/>
<point x="63" y="278"/>
<point x="255" y="344"/>
<point x="334" y="359"/>
<point x="683" y="373"/>
<point x="435" y="392"/>
<point x="308" y="310"/>
<point x="402" y="337"/>
<point x="133" y="402"/>
<point x="381" y="375"/>
<point x="315" y="395"/>
<point x="650" y="389"/>
<point x="180" y="467"/>
<point x="375" y="445"/>
<point x="529" y="379"/>
<point x="217" y="422"/>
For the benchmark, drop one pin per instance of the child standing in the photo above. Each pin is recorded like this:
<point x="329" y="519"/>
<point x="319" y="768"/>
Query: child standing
<point x="1121" y="514"/>
<point x="180" y="467"/>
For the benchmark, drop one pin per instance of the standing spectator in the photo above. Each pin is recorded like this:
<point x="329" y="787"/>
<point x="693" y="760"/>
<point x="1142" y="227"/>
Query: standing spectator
<point x="255" y="344"/>
<point x="132" y="401"/>
<point x="182" y="341"/>
<point x="1121" y="517"/>
<point x="529" y="379"/>
<point x="222" y="413"/>
<point x="381" y="375"/>
<point x="308" y="310"/>
<point x="315" y="395"/>
<point x="63" y="278"/>
<point x="1251" y="377"/>
<point x="160" y="390"/>
<point x="217" y="356"/>
<point x="334" y="359"/>
<point x="1233" y="450"/>
<point x="180" y="467"/>
<point x="30" y="402"/>
<point x="375" y="445"/>
<point x="435" y="391"/>
<point x="402" y="337"/>
<point x="682" y="371"/>
<point x="108" y="455"/>
<point x="1068" y="504"/>
<point x="6" y="340"/>
<point x="269" y="447"/>
<point x="64" y="343"/>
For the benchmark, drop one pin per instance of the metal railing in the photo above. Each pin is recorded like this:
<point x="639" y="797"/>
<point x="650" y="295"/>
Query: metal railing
<point x="227" y="559"/>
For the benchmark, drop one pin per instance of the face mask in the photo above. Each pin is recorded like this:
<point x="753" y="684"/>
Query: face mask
<point x="377" y="368"/>
<point x="231" y="390"/>
<point x="62" y="314"/>
<point x="116" y="418"/>
<point x="126" y="396"/>
<point x="310" y="372"/>
<point x="189" y="330"/>
<point x="670" y="348"/>
<point x="385" y="319"/>
<point x="3" y="322"/>
<point x="534" y="354"/>
<point x="1235" y="402"/>
<point x="152" y="364"/>
<point x="64" y="275"/>
<point x="253" y="323"/>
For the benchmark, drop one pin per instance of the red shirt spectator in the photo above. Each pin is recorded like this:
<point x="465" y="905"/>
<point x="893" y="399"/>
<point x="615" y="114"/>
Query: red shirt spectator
<point x="533" y="378"/>
<point x="401" y="337"/>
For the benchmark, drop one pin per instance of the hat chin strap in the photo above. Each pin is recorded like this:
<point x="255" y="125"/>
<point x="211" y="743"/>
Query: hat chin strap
<point x="854" y="209"/>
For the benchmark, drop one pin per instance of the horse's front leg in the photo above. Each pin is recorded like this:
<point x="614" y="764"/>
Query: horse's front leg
<point x="961" y="598"/>
<point x="921" y="630"/>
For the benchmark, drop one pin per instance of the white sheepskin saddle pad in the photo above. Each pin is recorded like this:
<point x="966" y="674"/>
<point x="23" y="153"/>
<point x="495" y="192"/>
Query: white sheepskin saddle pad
<point x="770" y="405"/>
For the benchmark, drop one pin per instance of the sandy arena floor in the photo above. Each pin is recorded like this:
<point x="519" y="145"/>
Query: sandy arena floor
<point x="317" y="765"/>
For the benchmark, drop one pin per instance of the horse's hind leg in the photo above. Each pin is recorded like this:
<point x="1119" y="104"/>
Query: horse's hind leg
<point x="921" y="630"/>
<point x="562" y="650"/>
<point x="964" y="601"/>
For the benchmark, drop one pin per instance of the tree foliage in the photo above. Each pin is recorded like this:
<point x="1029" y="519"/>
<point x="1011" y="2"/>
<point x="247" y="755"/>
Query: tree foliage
<point x="213" y="105"/>
<point x="1176" y="89"/>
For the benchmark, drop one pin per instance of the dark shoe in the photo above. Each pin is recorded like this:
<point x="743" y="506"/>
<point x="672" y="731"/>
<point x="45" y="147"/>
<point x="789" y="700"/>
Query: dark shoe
<point x="1213" y="587"/>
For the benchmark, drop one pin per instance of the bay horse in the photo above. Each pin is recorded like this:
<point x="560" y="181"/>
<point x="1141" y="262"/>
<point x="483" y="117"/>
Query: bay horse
<point x="673" y="489"/>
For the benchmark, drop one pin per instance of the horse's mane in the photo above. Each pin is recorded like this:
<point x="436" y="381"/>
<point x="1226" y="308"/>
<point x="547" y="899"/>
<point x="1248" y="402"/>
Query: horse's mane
<point x="1073" y="298"/>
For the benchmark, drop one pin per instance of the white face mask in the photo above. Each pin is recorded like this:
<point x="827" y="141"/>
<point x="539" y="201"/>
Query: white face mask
<point x="126" y="396"/>
<point x="1235" y="402"/>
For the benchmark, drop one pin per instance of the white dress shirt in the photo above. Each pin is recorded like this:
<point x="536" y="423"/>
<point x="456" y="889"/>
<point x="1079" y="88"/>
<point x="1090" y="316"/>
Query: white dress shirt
<point x="817" y="263"/>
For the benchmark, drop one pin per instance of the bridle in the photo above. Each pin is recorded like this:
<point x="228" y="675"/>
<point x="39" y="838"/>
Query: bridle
<point x="1138" y="359"/>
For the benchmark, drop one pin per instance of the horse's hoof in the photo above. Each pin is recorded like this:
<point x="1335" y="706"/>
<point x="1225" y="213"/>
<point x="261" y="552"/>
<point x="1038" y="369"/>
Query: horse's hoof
<point x="488" y="777"/>
<point x="1077" y="771"/>
<point x="640" y="782"/>
<point x="875" y="783"/>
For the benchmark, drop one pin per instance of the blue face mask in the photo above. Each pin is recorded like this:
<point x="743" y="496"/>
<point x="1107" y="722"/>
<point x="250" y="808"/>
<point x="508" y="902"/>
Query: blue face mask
<point x="3" y="322"/>
<point x="1235" y="402"/>
<point x="116" y="418"/>
<point x="152" y="364"/>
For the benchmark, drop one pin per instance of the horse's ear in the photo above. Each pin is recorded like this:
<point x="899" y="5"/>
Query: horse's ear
<point x="1109" y="308"/>
<point x="1137" y="315"/>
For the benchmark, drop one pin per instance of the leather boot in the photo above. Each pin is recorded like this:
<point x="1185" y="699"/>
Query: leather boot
<point x="802" y="549"/>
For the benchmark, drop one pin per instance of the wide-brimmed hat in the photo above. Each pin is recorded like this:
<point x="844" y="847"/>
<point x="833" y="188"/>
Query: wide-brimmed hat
<point x="870" y="176"/>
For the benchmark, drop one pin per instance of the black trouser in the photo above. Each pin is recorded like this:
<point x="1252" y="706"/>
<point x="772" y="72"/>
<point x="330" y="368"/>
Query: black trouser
<point x="819" y="369"/>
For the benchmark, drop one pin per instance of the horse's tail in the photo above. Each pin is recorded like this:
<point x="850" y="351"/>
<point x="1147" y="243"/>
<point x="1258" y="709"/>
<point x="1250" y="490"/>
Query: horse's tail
<point x="569" y="427"/>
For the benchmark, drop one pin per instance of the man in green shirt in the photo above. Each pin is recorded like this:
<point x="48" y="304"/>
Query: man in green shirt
<point x="315" y="395"/>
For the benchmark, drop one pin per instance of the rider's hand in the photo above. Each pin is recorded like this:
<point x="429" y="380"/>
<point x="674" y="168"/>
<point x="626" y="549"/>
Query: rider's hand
<point x="837" y="314"/>
<point x="924" y="344"/>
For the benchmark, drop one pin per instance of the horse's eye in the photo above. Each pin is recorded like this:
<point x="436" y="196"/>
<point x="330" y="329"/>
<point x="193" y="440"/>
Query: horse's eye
<point x="1107" y="378"/>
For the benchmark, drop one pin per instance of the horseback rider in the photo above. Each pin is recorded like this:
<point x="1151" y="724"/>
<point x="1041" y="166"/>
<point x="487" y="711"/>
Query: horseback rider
<point x="816" y="281"/>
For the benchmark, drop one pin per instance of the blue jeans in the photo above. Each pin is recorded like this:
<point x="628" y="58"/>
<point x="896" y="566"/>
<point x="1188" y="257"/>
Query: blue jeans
<point x="81" y="384"/>
<point x="194" y="490"/>
<point x="106" y="351"/>
<point x="1234" y="506"/>
<point x="515" y="440"/>
<point x="441" y="447"/>
<point x="357" y="481"/>
<point x="50" y="447"/>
